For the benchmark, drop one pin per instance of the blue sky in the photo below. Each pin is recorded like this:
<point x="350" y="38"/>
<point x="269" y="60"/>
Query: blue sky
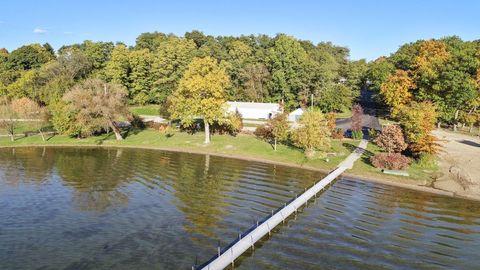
<point x="369" y="28"/>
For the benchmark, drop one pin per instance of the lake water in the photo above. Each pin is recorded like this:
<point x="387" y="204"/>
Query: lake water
<point x="71" y="208"/>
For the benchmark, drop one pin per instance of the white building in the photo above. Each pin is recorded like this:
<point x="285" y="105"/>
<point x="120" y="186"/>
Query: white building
<point x="254" y="110"/>
<point x="295" y="115"/>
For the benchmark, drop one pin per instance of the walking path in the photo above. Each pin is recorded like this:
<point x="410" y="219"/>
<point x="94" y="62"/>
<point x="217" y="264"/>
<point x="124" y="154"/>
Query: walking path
<point x="248" y="239"/>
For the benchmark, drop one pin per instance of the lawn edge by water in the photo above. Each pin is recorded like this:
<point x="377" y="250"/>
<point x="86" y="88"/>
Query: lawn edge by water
<point x="359" y="173"/>
<point x="349" y="176"/>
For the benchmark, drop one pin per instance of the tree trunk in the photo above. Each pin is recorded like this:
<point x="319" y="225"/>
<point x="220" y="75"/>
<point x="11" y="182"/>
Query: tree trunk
<point x="207" y="132"/>
<point x="116" y="130"/>
<point x="12" y="133"/>
<point x="439" y="124"/>
<point x="470" y="130"/>
<point x="455" y="124"/>
<point x="41" y="134"/>
<point x="275" y="144"/>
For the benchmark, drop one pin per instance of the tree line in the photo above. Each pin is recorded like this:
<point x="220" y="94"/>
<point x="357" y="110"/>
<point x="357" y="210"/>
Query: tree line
<point x="423" y="83"/>
<point x="260" y="68"/>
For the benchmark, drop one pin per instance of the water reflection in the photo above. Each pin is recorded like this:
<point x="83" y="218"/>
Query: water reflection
<point x="76" y="208"/>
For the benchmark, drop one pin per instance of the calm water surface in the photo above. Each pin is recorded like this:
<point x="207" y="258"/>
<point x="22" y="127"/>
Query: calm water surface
<point x="67" y="208"/>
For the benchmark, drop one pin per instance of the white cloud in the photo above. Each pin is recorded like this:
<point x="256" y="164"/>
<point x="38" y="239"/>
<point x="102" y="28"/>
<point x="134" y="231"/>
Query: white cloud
<point x="67" y="33"/>
<point x="39" y="30"/>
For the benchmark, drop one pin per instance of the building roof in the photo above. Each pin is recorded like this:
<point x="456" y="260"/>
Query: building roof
<point x="254" y="105"/>
<point x="297" y="111"/>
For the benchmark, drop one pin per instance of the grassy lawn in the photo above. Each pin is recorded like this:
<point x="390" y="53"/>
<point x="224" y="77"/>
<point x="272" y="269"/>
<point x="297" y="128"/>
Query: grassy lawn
<point x="241" y="145"/>
<point x="346" y="114"/>
<point x="418" y="172"/>
<point x="23" y="127"/>
<point x="151" y="109"/>
<point x="247" y="146"/>
<point x="384" y="121"/>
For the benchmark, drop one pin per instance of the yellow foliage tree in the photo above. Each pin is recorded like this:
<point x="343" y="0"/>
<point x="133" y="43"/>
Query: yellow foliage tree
<point x="201" y="93"/>
<point x="313" y="132"/>
<point x="431" y="56"/>
<point x="397" y="90"/>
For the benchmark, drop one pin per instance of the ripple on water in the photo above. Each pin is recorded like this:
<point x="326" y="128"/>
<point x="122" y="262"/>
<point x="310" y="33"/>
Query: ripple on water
<point x="72" y="208"/>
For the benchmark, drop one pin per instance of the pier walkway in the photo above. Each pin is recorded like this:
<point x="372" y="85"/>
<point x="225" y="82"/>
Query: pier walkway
<point x="227" y="255"/>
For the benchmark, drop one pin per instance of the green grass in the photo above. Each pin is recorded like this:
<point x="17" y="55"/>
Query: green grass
<point x="384" y="121"/>
<point x="418" y="171"/>
<point x="247" y="146"/>
<point x="151" y="109"/>
<point x="23" y="127"/>
<point x="242" y="145"/>
<point x="346" y="114"/>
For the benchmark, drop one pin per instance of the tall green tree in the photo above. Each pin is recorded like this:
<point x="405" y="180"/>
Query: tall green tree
<point x="169" y="63"/>
<point x="29" y="57"/>
<point x="286" y="61"/>
<point x="140" y="76"/>
<point x="117" y="70"/>
<point x="201" y="93"/>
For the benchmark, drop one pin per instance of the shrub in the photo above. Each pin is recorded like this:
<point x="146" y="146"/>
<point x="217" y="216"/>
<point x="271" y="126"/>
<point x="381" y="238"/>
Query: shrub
<point x="232" y="124"/>
<point x="391" y="139"/>
<point x="338" y="134"/>
<point x="62" y="118"/>
<point x="372" y="133"/>
<point x="25" y="107"/>
<point x="136" y="122"/>
<point x="391" y="161"/>
<point x="357" y="135"/>
<point x="331" y="122"/>
<point x="263" y="132"/>
<point x="235" y="122"/>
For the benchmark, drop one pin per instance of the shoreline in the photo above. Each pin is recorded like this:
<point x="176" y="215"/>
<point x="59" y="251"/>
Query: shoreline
<point x="347" y="175"/>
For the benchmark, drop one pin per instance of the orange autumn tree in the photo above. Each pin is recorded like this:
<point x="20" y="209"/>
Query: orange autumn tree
<point x="397" y="90"/>
<point x="418" y="121"/>
<point x="331" y="121"/>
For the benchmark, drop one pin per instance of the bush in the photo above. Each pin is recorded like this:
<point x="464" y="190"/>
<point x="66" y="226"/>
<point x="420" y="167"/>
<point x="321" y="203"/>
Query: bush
<point x="331" y="122"/>
<point x="136" y="122"/>
<point x="391" y="139"/>
<point x="232" y="125"/>
<point x="357" y="135"/>
<point x="372" y="133"/>
<point x="263" y="132"/>
<point x="338" y="134"/>
<point x="391" y="161"/>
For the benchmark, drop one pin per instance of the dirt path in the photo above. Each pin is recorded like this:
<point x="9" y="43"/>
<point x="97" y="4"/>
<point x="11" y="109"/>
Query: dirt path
<point x="459" y="164"/>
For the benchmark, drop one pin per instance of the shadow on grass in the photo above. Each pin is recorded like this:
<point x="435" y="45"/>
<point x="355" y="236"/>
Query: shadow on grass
<point x="104" y="138"/>
<point x="366" y="154"/>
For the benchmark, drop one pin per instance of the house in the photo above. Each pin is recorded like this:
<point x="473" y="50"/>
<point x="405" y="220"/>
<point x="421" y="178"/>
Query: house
<point x="254" y="110"/>
<point x="295" y="115"/>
